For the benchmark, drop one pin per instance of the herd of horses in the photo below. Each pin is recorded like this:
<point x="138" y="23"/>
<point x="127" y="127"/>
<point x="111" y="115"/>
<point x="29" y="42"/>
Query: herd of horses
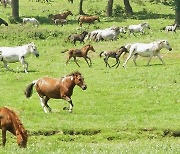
<point x="62" y="88"/>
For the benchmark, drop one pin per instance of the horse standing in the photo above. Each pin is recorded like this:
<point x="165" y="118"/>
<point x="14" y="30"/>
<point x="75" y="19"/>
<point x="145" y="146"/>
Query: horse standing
<point x="87" y="19"/>
<point x="138" y="28"/>
<point x="56" y="88"/>
<point x="113" y="54"/>
<point x="9" y="121"/>
<point x="147" y="50"/>
<point x="78" y="37"/>
<point x="18" y="53"/>
<point x="80" y="53"/>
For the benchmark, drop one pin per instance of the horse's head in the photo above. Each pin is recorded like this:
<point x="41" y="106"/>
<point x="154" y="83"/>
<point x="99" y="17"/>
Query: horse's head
<point x="90" y="47"/>
<point x="84" y="33"/>
<point x="123" y="49"/>
<point x="165" y="44"/>
<point x="33" y="49"/>
<point x="22" y="139"/>
<point x="79" y="80"/>
<point x="69" y="13"/>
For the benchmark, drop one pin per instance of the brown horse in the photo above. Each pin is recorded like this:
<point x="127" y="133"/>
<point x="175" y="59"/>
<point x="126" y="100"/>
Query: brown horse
<point x="80" y="53"/>
<point x="61" y="15"/>
<point x="87" y="19"/>
<point x="56" y="88"/>
<point x="78" y="37"/>
<point x="9" y="121"/>
<point x="113" y="54"/>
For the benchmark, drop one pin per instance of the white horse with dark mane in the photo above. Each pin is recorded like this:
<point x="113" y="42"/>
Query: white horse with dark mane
<point x="18" y="53"/>
<point x="147" y="50"/>
<point x="138" y="28"/>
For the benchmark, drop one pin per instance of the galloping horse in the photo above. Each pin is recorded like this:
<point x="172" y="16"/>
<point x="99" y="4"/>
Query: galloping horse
<point x="78" y="37"/>
<point x="87" y="19"/>
<point x="147" y="50"/>
<point x="18" y="53"/>
<point x="80" y="53"/>
<point x="9" y="121"/>
<point x="56" y="88"/>
<point x="61" y="15"/>
<point x="113" y="54"/>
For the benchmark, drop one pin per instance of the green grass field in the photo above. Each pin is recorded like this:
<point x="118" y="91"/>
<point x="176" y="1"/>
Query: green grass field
<point x="131" y="110"/>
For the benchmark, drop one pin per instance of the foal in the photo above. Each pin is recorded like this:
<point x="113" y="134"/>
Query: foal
<point x="80" y="53"/>
<point x="9" y="121"/>
<point x="78" y="37"/>
<point x="87" y="19"/>
<point x="61" y="15"/>
<point x="113" y="54"/>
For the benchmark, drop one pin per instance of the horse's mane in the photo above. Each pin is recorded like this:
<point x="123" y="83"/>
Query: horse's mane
<point x="17" y="123"/>
<point x="73" y="73"/>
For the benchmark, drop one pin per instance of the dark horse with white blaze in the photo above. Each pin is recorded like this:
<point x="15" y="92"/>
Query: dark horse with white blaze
<point x="62" y="88"/>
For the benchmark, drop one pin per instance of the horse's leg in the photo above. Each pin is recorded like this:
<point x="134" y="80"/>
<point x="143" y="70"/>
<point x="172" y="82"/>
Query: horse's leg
<point x="5" y="65"/>
<point x="46" y="104"/>
<point x="42" y="100"/>
<point x="106" y="61"/>
<point x="160" y="58"/>
<point x="76" y="61"/>
<point x="149" y="60"/>
<point x="69" y="57"/>
<point x="130" y="55"/>
<point x="24" y="63"/>
<point x="89" y="61"/>
<point x="134" y="59"/>
<point x="4" y="136"/>
<point x="117" y="61"/>
<point x="70" y="103"/>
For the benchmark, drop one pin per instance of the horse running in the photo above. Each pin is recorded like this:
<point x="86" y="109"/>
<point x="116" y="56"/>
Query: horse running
<point x="147" y="50"/>
<point x="87" y="19"/>
<point x="61" y="15"/>
<point x="18" y="53"/>
<point x="113" y="54"/>
<point x="56" y="88"/>
<point x="9" y="121"/>
<point x="78" y="37"/>
<point x="80" y="53"/>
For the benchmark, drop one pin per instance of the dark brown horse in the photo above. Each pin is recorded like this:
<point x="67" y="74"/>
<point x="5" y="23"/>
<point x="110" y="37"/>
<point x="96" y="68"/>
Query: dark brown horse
<point x="78" y="37"/>
<point x="9" y="121"/>
<point x="87" y="19"/>
<point x="61" y="15"/>
<point x="56" y="88"/>
<point x="80" y="53"/>
<point x="113" y="54"/>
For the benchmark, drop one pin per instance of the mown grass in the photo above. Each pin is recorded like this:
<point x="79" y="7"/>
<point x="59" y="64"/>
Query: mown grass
<point x="122" y="111"/>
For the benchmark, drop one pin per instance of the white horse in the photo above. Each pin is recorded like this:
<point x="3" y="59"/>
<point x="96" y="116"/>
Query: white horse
<point x="147" y="50"/>
<point x="138" y="28"/>
<point x="18" y="53"/>
<point x="31" y="21"/>
<point x="171" y="28"/>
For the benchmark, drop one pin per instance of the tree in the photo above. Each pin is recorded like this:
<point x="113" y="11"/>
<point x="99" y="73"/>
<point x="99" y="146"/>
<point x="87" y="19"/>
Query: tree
<point x="177" y="12"/>
<point x="109" y="8"/>
<point x="80" y="8"/>
<point x="15" y="9"/>
<point x="128" y="7"/>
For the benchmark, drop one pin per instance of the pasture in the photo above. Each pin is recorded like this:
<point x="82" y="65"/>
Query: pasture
<point x="125" y="110"/>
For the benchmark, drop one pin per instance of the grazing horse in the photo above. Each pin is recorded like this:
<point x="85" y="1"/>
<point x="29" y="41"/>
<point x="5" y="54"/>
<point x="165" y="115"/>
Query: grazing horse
<point x="32" y="21"/>
<point x="138" y="28"/>
<point x="3" y="22"/>
<point x="18" y="53"/>
<point x="171" y="28"/>
<point x="87" y="19"/>
<point x="62" y="88"/>
<point x="61" y="15"/>
<point x="9" y="121"/>
<point x="78" y="37"/>
<point x="147" y="50"/>
<point x="113" y="54"/>
<point x="80" y="53"/>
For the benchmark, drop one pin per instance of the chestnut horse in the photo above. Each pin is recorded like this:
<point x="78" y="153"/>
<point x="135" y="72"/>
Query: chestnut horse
<point x="62" y="88"/>
<point x="80" y="53"/>
<point x="87" y="19"/>
<point x="9" y="121"/>
<point x="113" y="54"/>
<point x="61" y="15"/>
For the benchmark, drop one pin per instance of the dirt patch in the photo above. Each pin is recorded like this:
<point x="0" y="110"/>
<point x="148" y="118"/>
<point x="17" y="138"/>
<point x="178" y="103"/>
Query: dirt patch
<point x="88" y="132"/>
<point x="44" y="133"/>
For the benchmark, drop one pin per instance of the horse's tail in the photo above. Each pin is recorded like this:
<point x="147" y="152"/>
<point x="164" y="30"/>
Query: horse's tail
<point x="100" y="55"/>
<point x="64" y="51"/>
<point x="29" y="89"/>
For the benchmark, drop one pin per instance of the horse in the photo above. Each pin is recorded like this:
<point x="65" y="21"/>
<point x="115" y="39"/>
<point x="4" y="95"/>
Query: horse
<point x="62" y="88"/>
<point x="138" y="28"/>
<point x="3" y="22"/>
<point x="78" y="37"/>
<point x="113" y="54"/>
<point x="60" y="21"/>
<point x="147" y="50"/>
<point x="80" y="53"/>
<point x="9" y="121"/>
<point x="18" y="53"/>
<point x="61" y="15"/>
<point x="31" y="21"/>
<point x="87" y="19"/>
<point x="170" y="28"/>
